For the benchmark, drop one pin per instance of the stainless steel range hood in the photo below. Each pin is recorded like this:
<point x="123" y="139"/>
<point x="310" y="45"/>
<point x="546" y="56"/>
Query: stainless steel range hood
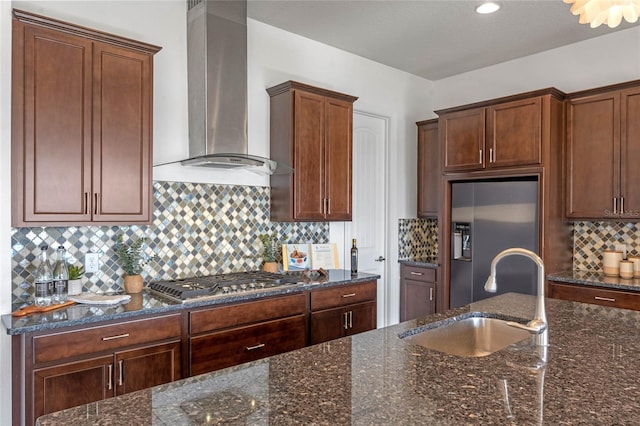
<point x="217" y="87"/>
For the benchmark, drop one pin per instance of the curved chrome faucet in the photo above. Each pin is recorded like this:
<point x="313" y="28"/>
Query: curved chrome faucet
<point x="538" y="326"/>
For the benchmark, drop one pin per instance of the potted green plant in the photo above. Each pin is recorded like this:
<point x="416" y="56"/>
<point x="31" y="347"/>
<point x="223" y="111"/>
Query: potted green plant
<point x="271" y="253"/>
<point x="76" y="272"/>
<point x="132" y="259"/>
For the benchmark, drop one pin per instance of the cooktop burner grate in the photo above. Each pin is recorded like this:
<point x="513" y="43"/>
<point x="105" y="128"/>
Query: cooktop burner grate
<point x="195" y="288"/>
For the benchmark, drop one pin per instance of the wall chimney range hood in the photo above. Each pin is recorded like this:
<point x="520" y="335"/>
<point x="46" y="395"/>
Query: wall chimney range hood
<point x="217" y="88"/>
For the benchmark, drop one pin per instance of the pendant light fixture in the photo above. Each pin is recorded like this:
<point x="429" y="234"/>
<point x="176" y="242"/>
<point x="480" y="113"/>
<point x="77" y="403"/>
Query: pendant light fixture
<point x="610" y="12"/>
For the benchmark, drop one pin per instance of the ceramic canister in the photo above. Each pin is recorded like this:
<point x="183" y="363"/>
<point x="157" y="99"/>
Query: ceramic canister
<point x="636" y="265"/>
<point x="611" y="262"/>
<point x="626" y="269"/>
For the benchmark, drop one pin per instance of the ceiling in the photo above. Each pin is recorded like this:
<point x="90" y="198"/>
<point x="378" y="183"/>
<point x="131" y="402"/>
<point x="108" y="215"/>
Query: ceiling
<point x="433" y="39"/>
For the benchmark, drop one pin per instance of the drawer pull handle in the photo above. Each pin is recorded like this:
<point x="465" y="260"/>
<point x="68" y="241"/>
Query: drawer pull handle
<point x="252" y="348"/>
<point x="344" y="296"/>
<point x="431" y="294"/>
<point x="606" y="299"/>
<point x="417" y="273"/>
<point x="109" y="373"/>
<point x="121" y="373"/>
<point x="119" y="336"/>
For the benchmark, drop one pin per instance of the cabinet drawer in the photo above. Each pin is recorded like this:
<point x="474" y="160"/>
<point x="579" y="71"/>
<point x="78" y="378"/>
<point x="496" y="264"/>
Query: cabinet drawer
<point x="595" y="295"/>
<point x="246" y="313"/>
<point x="226" y="348"/>
<point x="56" y="346"/>
<point x="343" y="295"/>
<point x="417" y="273"/>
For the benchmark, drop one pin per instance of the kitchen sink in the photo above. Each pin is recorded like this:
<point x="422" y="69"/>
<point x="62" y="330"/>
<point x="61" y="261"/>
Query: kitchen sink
<point x="474" y="335"/>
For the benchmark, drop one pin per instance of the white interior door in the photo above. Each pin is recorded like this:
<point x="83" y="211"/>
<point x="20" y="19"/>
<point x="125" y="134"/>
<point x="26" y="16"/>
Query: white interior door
<point x="369" y="202"/>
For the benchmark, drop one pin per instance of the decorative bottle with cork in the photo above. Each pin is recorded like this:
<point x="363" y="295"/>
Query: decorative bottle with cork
<point x="354" y="257"/>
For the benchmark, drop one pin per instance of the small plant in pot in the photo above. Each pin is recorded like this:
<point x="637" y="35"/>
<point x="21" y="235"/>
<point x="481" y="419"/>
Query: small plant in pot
<point x="271" y="253"/>
<point x="76" y="272"/>
<point x="132" y="259"/>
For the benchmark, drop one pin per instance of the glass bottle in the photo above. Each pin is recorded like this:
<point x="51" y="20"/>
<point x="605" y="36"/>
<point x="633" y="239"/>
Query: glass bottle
<point x="44" y="279"/>
<point x="60" y="277"/>
<point x="354" y="257"/>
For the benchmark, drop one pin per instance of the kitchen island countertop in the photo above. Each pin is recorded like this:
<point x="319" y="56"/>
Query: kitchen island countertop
<point x="590" y="377"/>
<point x="147" y="303"/>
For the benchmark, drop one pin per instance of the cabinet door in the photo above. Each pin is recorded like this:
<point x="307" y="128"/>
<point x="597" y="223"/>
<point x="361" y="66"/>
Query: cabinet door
<point x="361" y="318"/>
<point x="51" y="130"/>
<point x="463" y="139"/>
<point x="338" y="158"/>
<point x="429" y="174"/>
<point x="328" y="325"/>
<point x="630" y="153"/>
<point x="515" y="133"/>
<point x="593" y="156"/>
<point x="146" y="367"/>
<point x="222" y="349"/>
<point x="72" y="384"/>
<point x="122" y="94"/>
<point x="418" y="299"/>
<point x="309" y="160"/>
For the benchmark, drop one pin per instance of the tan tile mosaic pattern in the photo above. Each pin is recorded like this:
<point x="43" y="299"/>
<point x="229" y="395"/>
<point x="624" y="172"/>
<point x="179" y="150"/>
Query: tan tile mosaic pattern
<point x="591" y="238"/>
<point x="417" y="238"/>
<point x="198" y="229"/>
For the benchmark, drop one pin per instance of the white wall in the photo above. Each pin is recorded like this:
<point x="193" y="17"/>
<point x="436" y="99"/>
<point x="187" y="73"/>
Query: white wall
<point x="600" y="61"/>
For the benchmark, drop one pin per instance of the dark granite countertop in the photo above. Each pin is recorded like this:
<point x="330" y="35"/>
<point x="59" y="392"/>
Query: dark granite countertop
<point x="590" y="377"/>
<point x="597" y="279"/>
<point x="148" y="303"/>
<point x="425" y="262"/>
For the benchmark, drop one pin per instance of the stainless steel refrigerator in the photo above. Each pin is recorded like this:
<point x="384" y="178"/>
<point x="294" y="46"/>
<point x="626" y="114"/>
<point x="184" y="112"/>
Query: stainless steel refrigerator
<point x="486" y="218"/>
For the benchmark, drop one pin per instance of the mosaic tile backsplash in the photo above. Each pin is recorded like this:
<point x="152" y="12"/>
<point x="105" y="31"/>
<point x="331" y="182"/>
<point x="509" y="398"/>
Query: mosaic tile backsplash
<point x="198" y="229"/>
<point x="591" y="238"/>
<point x="417" y="238"/>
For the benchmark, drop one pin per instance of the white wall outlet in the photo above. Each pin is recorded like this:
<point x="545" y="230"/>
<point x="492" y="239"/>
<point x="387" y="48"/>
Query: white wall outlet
<point x="91" y="262"/>
<point x="622" y="248"/>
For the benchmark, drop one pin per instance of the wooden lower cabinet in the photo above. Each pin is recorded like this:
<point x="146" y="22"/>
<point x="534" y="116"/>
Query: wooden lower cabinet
<point x="596" y="295"/>
<point x="55" y="370"/>
<point x="418" y="287"/>
<point x="335" y="323"/>
<point x="342" y="311"/>
<point x="68" y="385"/>
<point x="223" y="349"/>
<point x="76" y="383"/>
<point x="229" y="335"/>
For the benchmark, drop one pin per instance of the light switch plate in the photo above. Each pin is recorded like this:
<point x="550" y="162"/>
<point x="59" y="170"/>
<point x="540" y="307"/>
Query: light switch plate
<point x="91" y="262"/>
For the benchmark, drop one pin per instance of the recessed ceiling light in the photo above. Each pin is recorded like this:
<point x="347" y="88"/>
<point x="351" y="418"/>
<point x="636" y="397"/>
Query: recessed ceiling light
<point x="488" y="7"/>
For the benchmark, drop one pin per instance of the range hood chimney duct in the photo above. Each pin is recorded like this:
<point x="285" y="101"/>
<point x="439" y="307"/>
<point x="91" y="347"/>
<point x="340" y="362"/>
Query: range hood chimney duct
<point x="217" y="87"/>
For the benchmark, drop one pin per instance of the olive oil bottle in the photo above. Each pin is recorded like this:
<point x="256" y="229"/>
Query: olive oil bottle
<point x="354" y="257"/>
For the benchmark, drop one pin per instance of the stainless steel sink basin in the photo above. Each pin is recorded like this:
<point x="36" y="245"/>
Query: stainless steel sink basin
<point x="471" y="336"/>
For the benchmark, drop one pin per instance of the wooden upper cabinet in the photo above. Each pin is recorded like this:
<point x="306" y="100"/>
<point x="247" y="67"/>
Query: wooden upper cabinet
<point x="515" y="133"/>
<point x="602" y="151"/>
<point x="630" y="152"/>
<point x="463" y="136"/>
<point x="311" y="130"/>
<point x="81" y="125"/>
<point x="495" y="134"/>
<point x="429" y="170"/>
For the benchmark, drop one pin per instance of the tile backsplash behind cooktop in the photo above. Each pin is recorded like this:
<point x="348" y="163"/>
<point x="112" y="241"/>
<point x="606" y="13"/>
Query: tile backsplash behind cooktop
<point x="197" y="229"/>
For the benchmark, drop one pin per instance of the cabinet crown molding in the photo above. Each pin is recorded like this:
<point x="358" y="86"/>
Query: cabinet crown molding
<point x="66" y="27"/>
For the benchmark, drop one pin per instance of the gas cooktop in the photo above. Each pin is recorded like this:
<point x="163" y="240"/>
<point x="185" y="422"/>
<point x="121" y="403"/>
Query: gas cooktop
<point x="202" y="288"/>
